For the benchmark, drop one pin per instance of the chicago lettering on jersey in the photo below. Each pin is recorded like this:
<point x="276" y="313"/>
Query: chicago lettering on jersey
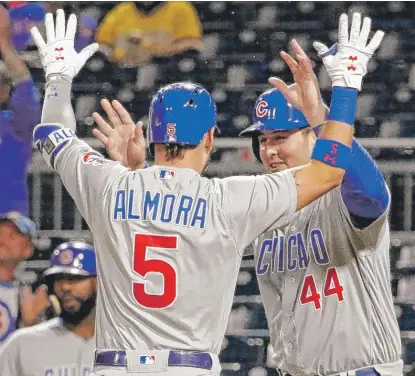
<point x="180" y="210"/>
<point x="67" y="370"/>
<point x="292" y="253"/>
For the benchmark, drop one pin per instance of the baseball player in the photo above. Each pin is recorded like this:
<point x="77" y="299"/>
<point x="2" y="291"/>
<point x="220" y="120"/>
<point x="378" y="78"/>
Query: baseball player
<point x="63" y="345"/>
<point x="325" y="279"/>
<point x="169" y="242"/>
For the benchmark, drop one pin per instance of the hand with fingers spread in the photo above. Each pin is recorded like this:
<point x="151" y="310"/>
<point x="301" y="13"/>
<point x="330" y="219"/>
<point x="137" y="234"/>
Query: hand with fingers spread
<point x="304" y="93"/>
<point x="123" y="139"/>
<point x="58" y="54"/>
<point x="33" y="304"/>
<point x="346" y="61"/>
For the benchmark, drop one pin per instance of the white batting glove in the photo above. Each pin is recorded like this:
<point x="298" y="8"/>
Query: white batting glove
<point x="346" y="62"/>
<point x="58" y="54"/>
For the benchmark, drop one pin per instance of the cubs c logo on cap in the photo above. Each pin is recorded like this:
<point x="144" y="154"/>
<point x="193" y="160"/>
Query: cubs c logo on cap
<point x="261" y="109"/>
<point x="66" y="257"/>
<point x="7" y="322"/>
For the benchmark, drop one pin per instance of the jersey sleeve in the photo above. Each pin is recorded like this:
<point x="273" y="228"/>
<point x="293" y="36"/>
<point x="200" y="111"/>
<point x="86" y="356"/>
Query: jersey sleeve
<point x="85" y="173"/>
<point x="368" y="237"/>
<point x="10" y="356"/>
<point x="256" y="204"/>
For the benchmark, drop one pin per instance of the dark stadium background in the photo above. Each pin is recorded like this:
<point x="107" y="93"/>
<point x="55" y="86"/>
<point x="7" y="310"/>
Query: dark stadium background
<point x="243" y="40"/>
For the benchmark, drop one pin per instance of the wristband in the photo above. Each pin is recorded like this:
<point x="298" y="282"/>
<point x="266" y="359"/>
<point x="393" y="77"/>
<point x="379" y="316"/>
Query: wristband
<point x="332" y="153"/>
<point x="343" y="105"/>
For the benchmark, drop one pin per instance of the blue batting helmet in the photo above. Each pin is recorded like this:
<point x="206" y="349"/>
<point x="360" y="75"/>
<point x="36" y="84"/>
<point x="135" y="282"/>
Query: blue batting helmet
<point x="181" y="113"/>
<point x="272" y="112"/>
<point x="76" y="258"/>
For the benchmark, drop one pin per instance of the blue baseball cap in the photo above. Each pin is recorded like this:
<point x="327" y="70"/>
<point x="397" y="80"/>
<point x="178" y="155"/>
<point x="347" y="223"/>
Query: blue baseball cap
<point x="25" y="225"/>
<point x="75" y="258"/>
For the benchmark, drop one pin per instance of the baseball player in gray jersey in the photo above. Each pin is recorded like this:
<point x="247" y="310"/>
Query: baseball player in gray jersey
<point x="64" y="345"/>
<point x="325" y="279"/>
<point x="169" y="242"/>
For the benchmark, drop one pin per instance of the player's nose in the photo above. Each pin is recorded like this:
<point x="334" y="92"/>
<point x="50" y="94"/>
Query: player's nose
<point x="272" y="150"/>
<point x="64" y="285"/>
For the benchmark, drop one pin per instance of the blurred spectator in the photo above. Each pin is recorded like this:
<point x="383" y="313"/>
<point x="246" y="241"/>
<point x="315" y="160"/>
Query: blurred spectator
<point x="20" y="112"/>
<point x="134" y="32"/>
<point x="87" y="25"/>
<point x="23" y="16"/>
<point x="18" y="305"/>
<point x="64" y="345"/>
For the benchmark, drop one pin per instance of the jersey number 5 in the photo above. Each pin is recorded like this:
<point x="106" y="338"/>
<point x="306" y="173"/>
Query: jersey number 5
<point x="332" y="286"/>
<point x="144" y="265"/>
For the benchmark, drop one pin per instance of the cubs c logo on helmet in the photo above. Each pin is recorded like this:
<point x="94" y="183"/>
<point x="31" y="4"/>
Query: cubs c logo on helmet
<point x="261" y="109"/>
<point x="66" y="257"/>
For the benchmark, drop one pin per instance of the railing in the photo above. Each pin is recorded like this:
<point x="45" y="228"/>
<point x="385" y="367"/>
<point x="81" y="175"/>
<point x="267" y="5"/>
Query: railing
<point x="235" y="158"/>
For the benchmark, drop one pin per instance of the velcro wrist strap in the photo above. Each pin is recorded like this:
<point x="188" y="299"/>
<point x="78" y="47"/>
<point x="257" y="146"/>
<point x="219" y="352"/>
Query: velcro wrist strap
<point x="332" y="153"/>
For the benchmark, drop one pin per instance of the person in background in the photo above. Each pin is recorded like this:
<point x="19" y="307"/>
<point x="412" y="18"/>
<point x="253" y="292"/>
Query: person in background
<point x="65" y="344"/>
<point x="23" y="16"/>
<point x="19" y="112"/>
<point x="134" y="32"/>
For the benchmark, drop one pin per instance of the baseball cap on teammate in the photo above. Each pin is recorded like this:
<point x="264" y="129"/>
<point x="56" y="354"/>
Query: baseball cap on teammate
<point x="71" y="260"/>
<point x="272" y="112"/>
<point x="180" y="113"/>
<point x="75" y="258"/>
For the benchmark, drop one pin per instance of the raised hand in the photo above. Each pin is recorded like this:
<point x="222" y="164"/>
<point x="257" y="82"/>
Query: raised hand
<point x="304" y="93"/>
<point x="346" y="61"/>
<point x="33" y="304"/>
<point x="58" y="53"/>
<point x="122" y="138"/>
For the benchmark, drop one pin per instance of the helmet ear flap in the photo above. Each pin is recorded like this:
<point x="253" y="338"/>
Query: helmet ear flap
<point x="255" y="146"/>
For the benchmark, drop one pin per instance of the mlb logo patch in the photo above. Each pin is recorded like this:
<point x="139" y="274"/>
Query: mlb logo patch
<point x="166" y="174"/>
<point x="147" y="359"/>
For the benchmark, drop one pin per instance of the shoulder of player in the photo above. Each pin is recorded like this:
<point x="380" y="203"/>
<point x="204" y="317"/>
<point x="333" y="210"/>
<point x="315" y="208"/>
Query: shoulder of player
<point x="283" y="177"/>
<point x="43" y="329"/>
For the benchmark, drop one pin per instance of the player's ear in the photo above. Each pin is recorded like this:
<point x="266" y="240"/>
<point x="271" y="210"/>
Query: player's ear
<point x="208" y="140"/>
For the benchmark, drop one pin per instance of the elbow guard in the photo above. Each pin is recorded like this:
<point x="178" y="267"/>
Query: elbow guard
<point x="51" y="140"/>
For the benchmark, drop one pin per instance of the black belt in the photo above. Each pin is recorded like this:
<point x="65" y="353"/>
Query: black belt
<point x="118" y="358"/>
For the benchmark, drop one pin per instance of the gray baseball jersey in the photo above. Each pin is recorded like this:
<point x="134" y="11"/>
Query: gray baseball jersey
<point x="169" y="244"/>
<point x="326" y="290"/>
<point x="46" y="349"/>
<point x="9" y="307"/>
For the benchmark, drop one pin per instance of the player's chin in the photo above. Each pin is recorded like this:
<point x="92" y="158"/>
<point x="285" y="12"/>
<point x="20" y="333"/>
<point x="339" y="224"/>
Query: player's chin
<point x="71" y="305"/>
<point x="276" y="167"/>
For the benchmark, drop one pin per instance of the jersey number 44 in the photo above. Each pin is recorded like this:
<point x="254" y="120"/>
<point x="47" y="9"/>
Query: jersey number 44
<point x="332" y="286"/>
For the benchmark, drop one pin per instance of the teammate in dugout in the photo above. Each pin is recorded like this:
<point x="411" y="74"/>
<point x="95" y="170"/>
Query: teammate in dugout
<point x="329" y="269"/>
<point x="64" y="345"/>
<point x="167" y="220"/>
